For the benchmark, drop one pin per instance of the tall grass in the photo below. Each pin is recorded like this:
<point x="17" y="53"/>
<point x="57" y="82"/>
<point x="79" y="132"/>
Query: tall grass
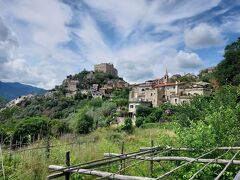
<point x="33" y="164"/>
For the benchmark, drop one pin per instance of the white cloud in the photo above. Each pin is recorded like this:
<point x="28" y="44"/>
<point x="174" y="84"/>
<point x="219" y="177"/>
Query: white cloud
<point x="41" y="28"/>
<point x="188" y="60"/>
<point x="125" y="16"/>
<point x="231" y="24"/>
<point x="203" y="36"/>
<point x="147" y="38"/>
<point x="18" y="70"/>
<point x="45" y="20"/>
<point x="91" y="41"/>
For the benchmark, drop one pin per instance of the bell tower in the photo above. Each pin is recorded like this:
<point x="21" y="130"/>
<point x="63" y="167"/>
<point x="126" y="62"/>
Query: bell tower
<point x="166" y="77"/>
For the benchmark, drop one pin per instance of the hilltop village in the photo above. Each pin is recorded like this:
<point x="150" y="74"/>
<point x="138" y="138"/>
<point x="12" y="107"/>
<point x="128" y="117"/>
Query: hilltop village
<point x="151" y="93"/>
<point x="100" y="83"/>
<point x="164" y="90"/>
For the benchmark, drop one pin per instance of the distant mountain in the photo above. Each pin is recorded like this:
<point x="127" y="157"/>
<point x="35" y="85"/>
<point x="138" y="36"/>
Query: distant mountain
<point x="9" y="90"/>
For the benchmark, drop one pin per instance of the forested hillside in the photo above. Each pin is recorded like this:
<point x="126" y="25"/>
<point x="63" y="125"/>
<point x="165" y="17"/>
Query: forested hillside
<point x="11" y="91"/>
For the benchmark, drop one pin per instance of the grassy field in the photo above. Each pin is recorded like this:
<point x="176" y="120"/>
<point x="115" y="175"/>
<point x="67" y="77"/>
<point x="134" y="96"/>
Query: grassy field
<point x="33" y="164"/>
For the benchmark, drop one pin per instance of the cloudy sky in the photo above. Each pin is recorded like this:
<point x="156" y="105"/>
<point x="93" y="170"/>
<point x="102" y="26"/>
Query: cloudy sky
<point x="42" y="41"/>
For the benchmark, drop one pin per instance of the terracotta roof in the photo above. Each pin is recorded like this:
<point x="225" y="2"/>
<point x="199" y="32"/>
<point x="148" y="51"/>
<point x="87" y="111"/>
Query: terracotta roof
<point x="166" y="84"/>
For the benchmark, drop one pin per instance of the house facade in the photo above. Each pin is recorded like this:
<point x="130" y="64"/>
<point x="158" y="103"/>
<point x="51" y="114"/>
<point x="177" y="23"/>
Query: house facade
<point x="162" y="91"/>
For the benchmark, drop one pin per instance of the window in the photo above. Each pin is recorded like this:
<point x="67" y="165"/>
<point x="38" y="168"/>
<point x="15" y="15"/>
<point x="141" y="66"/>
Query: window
<point x="175" y="100"/>
<point x="131" y="106"/>
<point x="151" y="94"/>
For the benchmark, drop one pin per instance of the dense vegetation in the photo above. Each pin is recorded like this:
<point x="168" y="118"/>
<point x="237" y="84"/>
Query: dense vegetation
<point x="227" y="71"/>
<point x="87" y="78"/>
<point x="2" y="102"/>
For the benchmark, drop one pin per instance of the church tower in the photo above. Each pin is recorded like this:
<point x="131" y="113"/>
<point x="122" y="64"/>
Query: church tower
<point x="166" y="77"/>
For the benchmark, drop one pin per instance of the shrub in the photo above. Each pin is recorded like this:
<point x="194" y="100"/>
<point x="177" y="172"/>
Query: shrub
<point x="198" y="135"/>
<point x="143" y="111"/>
<point x="31" y="128"/>
<point x="84" y="123"/>
<point x="128" y="127"/>
<point x="139" y="121"/>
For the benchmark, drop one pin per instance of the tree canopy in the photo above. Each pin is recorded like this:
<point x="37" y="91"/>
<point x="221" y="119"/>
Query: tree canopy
<point x="228" y="70"/>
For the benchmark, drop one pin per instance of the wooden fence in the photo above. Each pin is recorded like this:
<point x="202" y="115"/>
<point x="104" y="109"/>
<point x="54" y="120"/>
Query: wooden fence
<point x="152" y="155"/>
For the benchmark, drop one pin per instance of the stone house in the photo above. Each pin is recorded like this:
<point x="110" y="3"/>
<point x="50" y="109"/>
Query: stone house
<point x="96" y="94"/>
<point x="95" y="87"/>
<point x="162" y="91"/>
<point x="71" y="86"/>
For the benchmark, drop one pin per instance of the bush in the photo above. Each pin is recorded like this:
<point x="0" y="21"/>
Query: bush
<point x="211" y="121"/>
<point x="143" y="111"/>
<point x="139" y="121"/>
<point x="59" y="127"/>
<point x="198" y="135"/>
<point x="30" y="128"/>
<point x="3" y="102"/>
<point x="84" y="123"/>
<point x="128" y="127"/>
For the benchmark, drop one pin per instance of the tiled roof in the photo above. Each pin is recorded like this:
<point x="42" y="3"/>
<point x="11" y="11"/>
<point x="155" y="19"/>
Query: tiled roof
<point x="166" y="84"/>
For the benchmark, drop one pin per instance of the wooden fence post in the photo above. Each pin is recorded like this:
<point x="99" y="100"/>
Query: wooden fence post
<point x="79" y="145"/>
<point x="123" y="162"/>
<point x="48" y="148"/>
<point x="151" y="162"/>
<point x="20" y="143"/>
<point x="11" y="143"/>
<point x="67" y="161"/>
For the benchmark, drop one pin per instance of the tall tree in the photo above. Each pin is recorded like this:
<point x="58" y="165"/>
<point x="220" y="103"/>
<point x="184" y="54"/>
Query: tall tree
<point x="228" y="70"/>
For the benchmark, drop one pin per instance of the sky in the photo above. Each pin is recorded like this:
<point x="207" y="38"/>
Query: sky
<point x="43" y="41"/>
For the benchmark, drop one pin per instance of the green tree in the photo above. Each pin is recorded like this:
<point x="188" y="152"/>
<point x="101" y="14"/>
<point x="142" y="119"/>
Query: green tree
<point x="84" y="123"/>
<point x="211" y="121"/>
<point x="2" y="102"/>
<point x="128" y="127"/>
<point x="227" y="71"/>
<point x="139" y="121"/>
<point x="31" y="127"/>
<point x="143" y="111"/>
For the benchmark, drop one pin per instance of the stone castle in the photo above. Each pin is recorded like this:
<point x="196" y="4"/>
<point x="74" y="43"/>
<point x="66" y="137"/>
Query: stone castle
<point x="106" y="68"/>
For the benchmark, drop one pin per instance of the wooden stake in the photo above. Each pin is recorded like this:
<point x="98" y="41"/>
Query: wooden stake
<point x="151" y="162"/>
<point x="67" y="161"/>
<point x="11" y="142"/>
<point x="48" y="148"/>
<point x="123" y="162"/>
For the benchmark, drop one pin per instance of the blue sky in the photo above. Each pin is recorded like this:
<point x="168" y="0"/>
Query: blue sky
<point x="43" y="41"/>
